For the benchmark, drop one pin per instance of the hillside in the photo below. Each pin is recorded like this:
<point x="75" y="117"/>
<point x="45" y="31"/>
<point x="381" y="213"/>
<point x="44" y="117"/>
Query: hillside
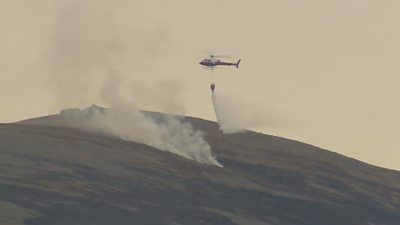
<point x="52" y="173"/>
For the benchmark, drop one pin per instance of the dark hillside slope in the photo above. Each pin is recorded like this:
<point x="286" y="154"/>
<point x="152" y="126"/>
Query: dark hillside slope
<point x="54" y="175"/>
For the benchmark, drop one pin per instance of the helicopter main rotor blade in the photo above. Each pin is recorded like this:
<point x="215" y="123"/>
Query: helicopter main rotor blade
<point x="221" y="56"/>
<point x="212" y="54"/>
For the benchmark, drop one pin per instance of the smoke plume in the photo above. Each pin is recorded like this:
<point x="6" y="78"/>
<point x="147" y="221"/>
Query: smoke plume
<point x="125" y="121"/>
<point x="167" y="133"/>
<point x="97" y="58"/>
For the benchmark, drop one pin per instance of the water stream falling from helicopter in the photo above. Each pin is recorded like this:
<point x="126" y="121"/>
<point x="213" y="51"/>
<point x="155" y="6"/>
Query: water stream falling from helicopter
<point x="212" y="81"/>
<point x="226" y="124"/>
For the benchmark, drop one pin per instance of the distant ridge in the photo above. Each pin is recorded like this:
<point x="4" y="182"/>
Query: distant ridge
<point x="53" y="174"/>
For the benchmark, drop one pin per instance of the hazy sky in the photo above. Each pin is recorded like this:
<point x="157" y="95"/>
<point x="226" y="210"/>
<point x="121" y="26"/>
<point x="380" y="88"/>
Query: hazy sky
<point x="323" y="72"/>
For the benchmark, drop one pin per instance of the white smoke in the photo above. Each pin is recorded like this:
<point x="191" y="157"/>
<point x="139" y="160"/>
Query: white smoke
<point x="167" y="133"/>
<point x="94" y="58"/>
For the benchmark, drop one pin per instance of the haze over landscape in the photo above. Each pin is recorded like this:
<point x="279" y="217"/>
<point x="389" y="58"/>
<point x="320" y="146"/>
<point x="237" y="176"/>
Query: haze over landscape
<point x="321" y="72"/>
<point x="108" y="118"/>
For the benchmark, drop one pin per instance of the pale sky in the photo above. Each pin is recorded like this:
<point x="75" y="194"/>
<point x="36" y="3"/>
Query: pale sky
<point x="318" y="71"/>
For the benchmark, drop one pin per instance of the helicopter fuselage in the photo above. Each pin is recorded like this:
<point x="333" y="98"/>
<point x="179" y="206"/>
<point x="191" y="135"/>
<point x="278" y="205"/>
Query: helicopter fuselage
<point x="217" y="62"/>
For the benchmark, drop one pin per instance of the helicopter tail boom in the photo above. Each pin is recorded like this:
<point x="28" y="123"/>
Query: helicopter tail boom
<point x="237" y="64"/>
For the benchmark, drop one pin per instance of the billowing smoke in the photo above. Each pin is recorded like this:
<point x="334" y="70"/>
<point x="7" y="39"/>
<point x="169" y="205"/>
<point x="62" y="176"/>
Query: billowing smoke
<point x="90" y="37"/>
<point x="167" y="133"/>
<point x="234" y="115"/>
<point x="98" y="58"/>
<point x="125" y="121"/>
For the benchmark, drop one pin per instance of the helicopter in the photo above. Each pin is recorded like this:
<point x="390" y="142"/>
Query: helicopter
<point x="213" y="61"/>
